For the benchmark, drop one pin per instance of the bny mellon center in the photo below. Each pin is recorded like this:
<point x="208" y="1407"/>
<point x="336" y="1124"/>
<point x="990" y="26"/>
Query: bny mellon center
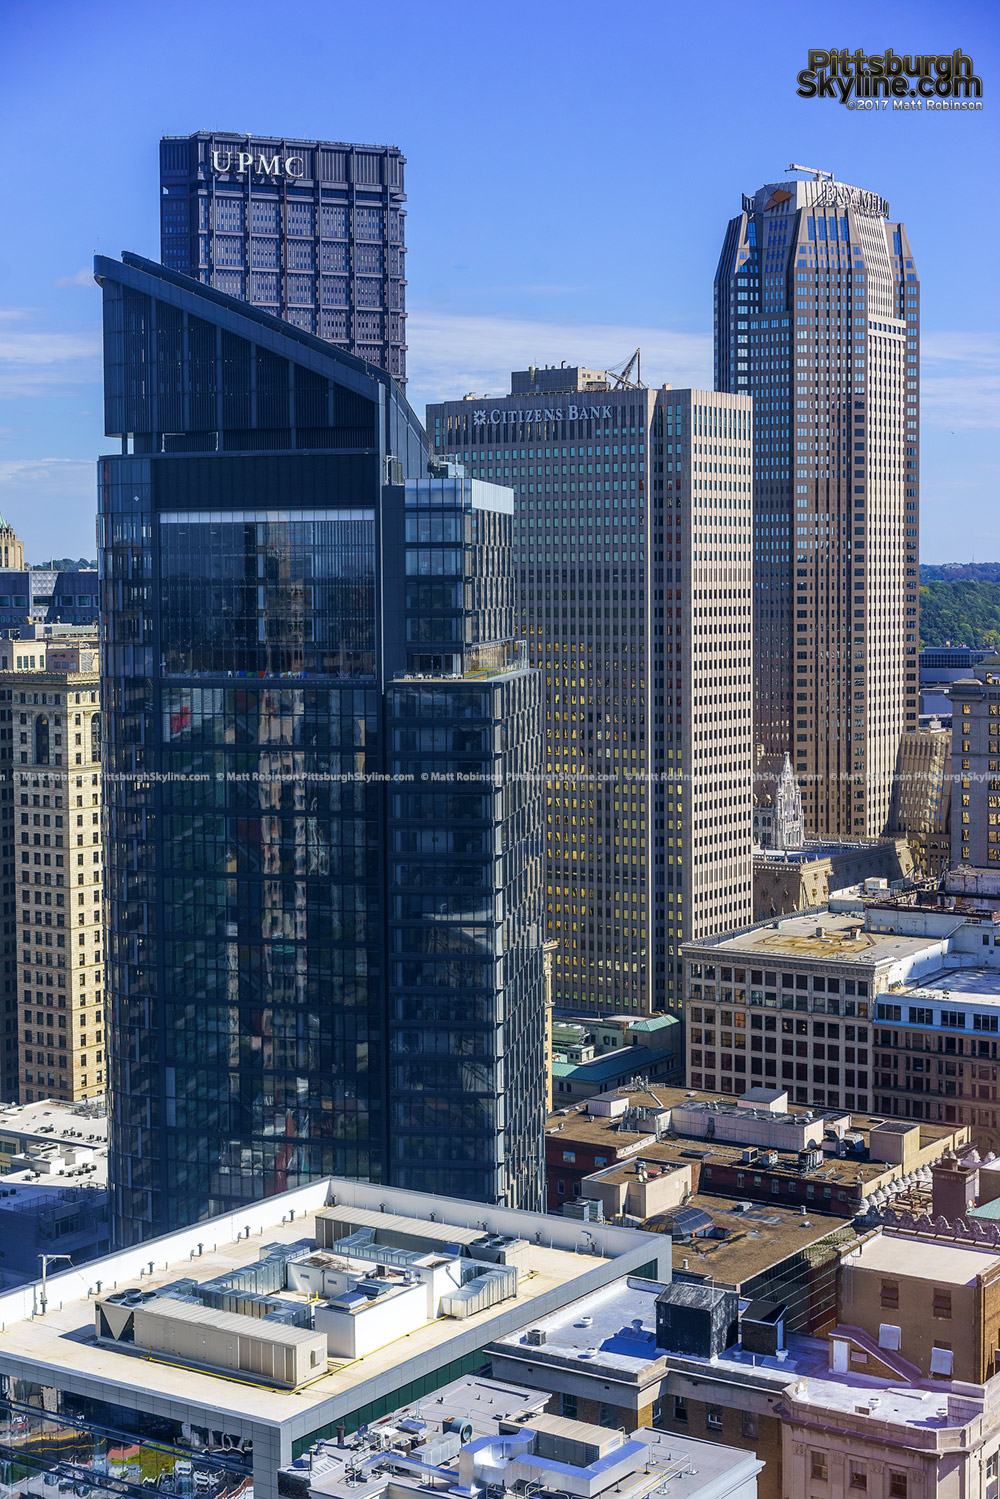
<point x="817" y="318"/>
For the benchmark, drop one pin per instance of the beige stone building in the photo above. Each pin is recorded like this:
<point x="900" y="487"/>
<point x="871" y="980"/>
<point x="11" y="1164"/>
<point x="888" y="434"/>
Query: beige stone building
<point x="633" y="541"/>
<point x="797" y="879"/>
<point x="921" y="797"/>
<point x="11" y="550"/>
<point x="887" y="1003"/>
<point x="53" y="827"/>
<point x="817" y="316"/>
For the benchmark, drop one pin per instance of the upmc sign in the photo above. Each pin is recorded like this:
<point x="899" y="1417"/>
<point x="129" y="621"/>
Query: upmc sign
<point x="267" y="166"/>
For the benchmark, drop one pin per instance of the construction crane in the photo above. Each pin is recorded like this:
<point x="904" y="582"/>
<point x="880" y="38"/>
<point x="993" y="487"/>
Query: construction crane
<point x="619" y="375"/>
<point x="817" y="172"/>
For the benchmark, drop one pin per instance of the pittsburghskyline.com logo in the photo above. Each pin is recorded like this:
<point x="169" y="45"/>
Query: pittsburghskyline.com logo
<point x="910" y="80"/>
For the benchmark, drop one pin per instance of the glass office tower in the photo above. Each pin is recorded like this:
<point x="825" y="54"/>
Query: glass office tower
<point x="324" y="837"/>
<point x="817" y="318"/>
<point x="311" y="231"/>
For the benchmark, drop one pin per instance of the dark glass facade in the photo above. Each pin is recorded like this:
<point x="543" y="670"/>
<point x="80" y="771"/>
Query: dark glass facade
<point x="54" y="1439"/>
<point x="324" y="827"/>
<point x="311" y="231"/>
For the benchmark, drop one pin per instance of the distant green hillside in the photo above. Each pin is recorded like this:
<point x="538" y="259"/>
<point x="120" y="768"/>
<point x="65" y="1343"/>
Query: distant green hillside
<point x="965" y="612"/>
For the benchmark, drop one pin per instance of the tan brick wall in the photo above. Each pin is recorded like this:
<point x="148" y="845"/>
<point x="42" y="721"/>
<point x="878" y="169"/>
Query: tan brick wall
<point x="920" y="1329"/>
<point x="766" y="1444"/>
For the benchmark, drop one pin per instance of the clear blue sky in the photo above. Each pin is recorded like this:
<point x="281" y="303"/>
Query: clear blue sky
<point x="571" y="170"/>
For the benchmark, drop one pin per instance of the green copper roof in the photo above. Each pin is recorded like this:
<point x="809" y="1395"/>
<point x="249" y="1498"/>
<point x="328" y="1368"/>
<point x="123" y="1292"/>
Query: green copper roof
<point x="987" y="1210"/>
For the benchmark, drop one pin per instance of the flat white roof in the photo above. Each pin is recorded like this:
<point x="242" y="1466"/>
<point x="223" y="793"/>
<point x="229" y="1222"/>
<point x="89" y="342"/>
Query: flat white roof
<point x="955" y="984"/>
<point x="560" y="1262"/>
<point x="79" y="1124"/>
<point x="955" y="1264"/>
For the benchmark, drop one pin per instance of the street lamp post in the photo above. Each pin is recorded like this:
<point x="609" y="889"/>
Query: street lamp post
<point x="45" y="1258"/>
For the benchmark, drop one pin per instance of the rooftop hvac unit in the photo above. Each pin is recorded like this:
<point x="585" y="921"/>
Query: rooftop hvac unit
<point x="535" y="1337"/>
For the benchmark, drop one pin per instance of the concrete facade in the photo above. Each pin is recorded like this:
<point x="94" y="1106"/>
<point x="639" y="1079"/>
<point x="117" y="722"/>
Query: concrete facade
<point x="887" y="1003"/>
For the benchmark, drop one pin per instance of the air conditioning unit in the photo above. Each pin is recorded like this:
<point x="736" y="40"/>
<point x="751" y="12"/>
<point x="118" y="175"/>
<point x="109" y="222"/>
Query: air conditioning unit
<point x="535" y="1337"/>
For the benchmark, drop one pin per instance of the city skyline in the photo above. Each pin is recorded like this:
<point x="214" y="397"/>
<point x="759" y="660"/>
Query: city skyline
<point x="483" y="837"/>
<point x="471" y="318"/>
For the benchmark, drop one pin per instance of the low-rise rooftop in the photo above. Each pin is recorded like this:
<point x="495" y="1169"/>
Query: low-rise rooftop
<point x="626" y="1062"/>
<point x="480" y="1431"/>
<point x="656" y="1131"/>
<point x="748" y="1238"/>
<point x="613" y="1333"/>
<point x="246" y="1255"/>
<point x="818" y="935"/>
<point x="52" y="1143"/>
<point x="85" y="1122"/>
<point x="955" y="982"/>
<point x="947" y="1263"/>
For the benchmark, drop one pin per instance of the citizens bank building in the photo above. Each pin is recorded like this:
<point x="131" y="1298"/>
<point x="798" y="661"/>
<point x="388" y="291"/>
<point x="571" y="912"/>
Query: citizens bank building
<point x="632" y="549"/>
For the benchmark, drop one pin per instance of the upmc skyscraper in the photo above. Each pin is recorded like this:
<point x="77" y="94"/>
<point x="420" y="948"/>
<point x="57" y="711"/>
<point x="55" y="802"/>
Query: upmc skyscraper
<point x="310" y="231"/>
<point x="817" y="318"/>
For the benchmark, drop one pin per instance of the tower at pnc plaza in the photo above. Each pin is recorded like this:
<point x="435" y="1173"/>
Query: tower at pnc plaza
<point x="817" y="318"/>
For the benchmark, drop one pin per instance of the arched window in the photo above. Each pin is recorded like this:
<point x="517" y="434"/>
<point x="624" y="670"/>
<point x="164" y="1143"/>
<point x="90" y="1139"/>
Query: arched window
<point x="41" y="740"/>
<point x="95" y="736"/>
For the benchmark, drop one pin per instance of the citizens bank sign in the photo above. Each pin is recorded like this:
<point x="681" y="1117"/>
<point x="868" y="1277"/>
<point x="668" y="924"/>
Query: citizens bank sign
<point x="267" y="166"/>
<point x="541" y="414"/>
